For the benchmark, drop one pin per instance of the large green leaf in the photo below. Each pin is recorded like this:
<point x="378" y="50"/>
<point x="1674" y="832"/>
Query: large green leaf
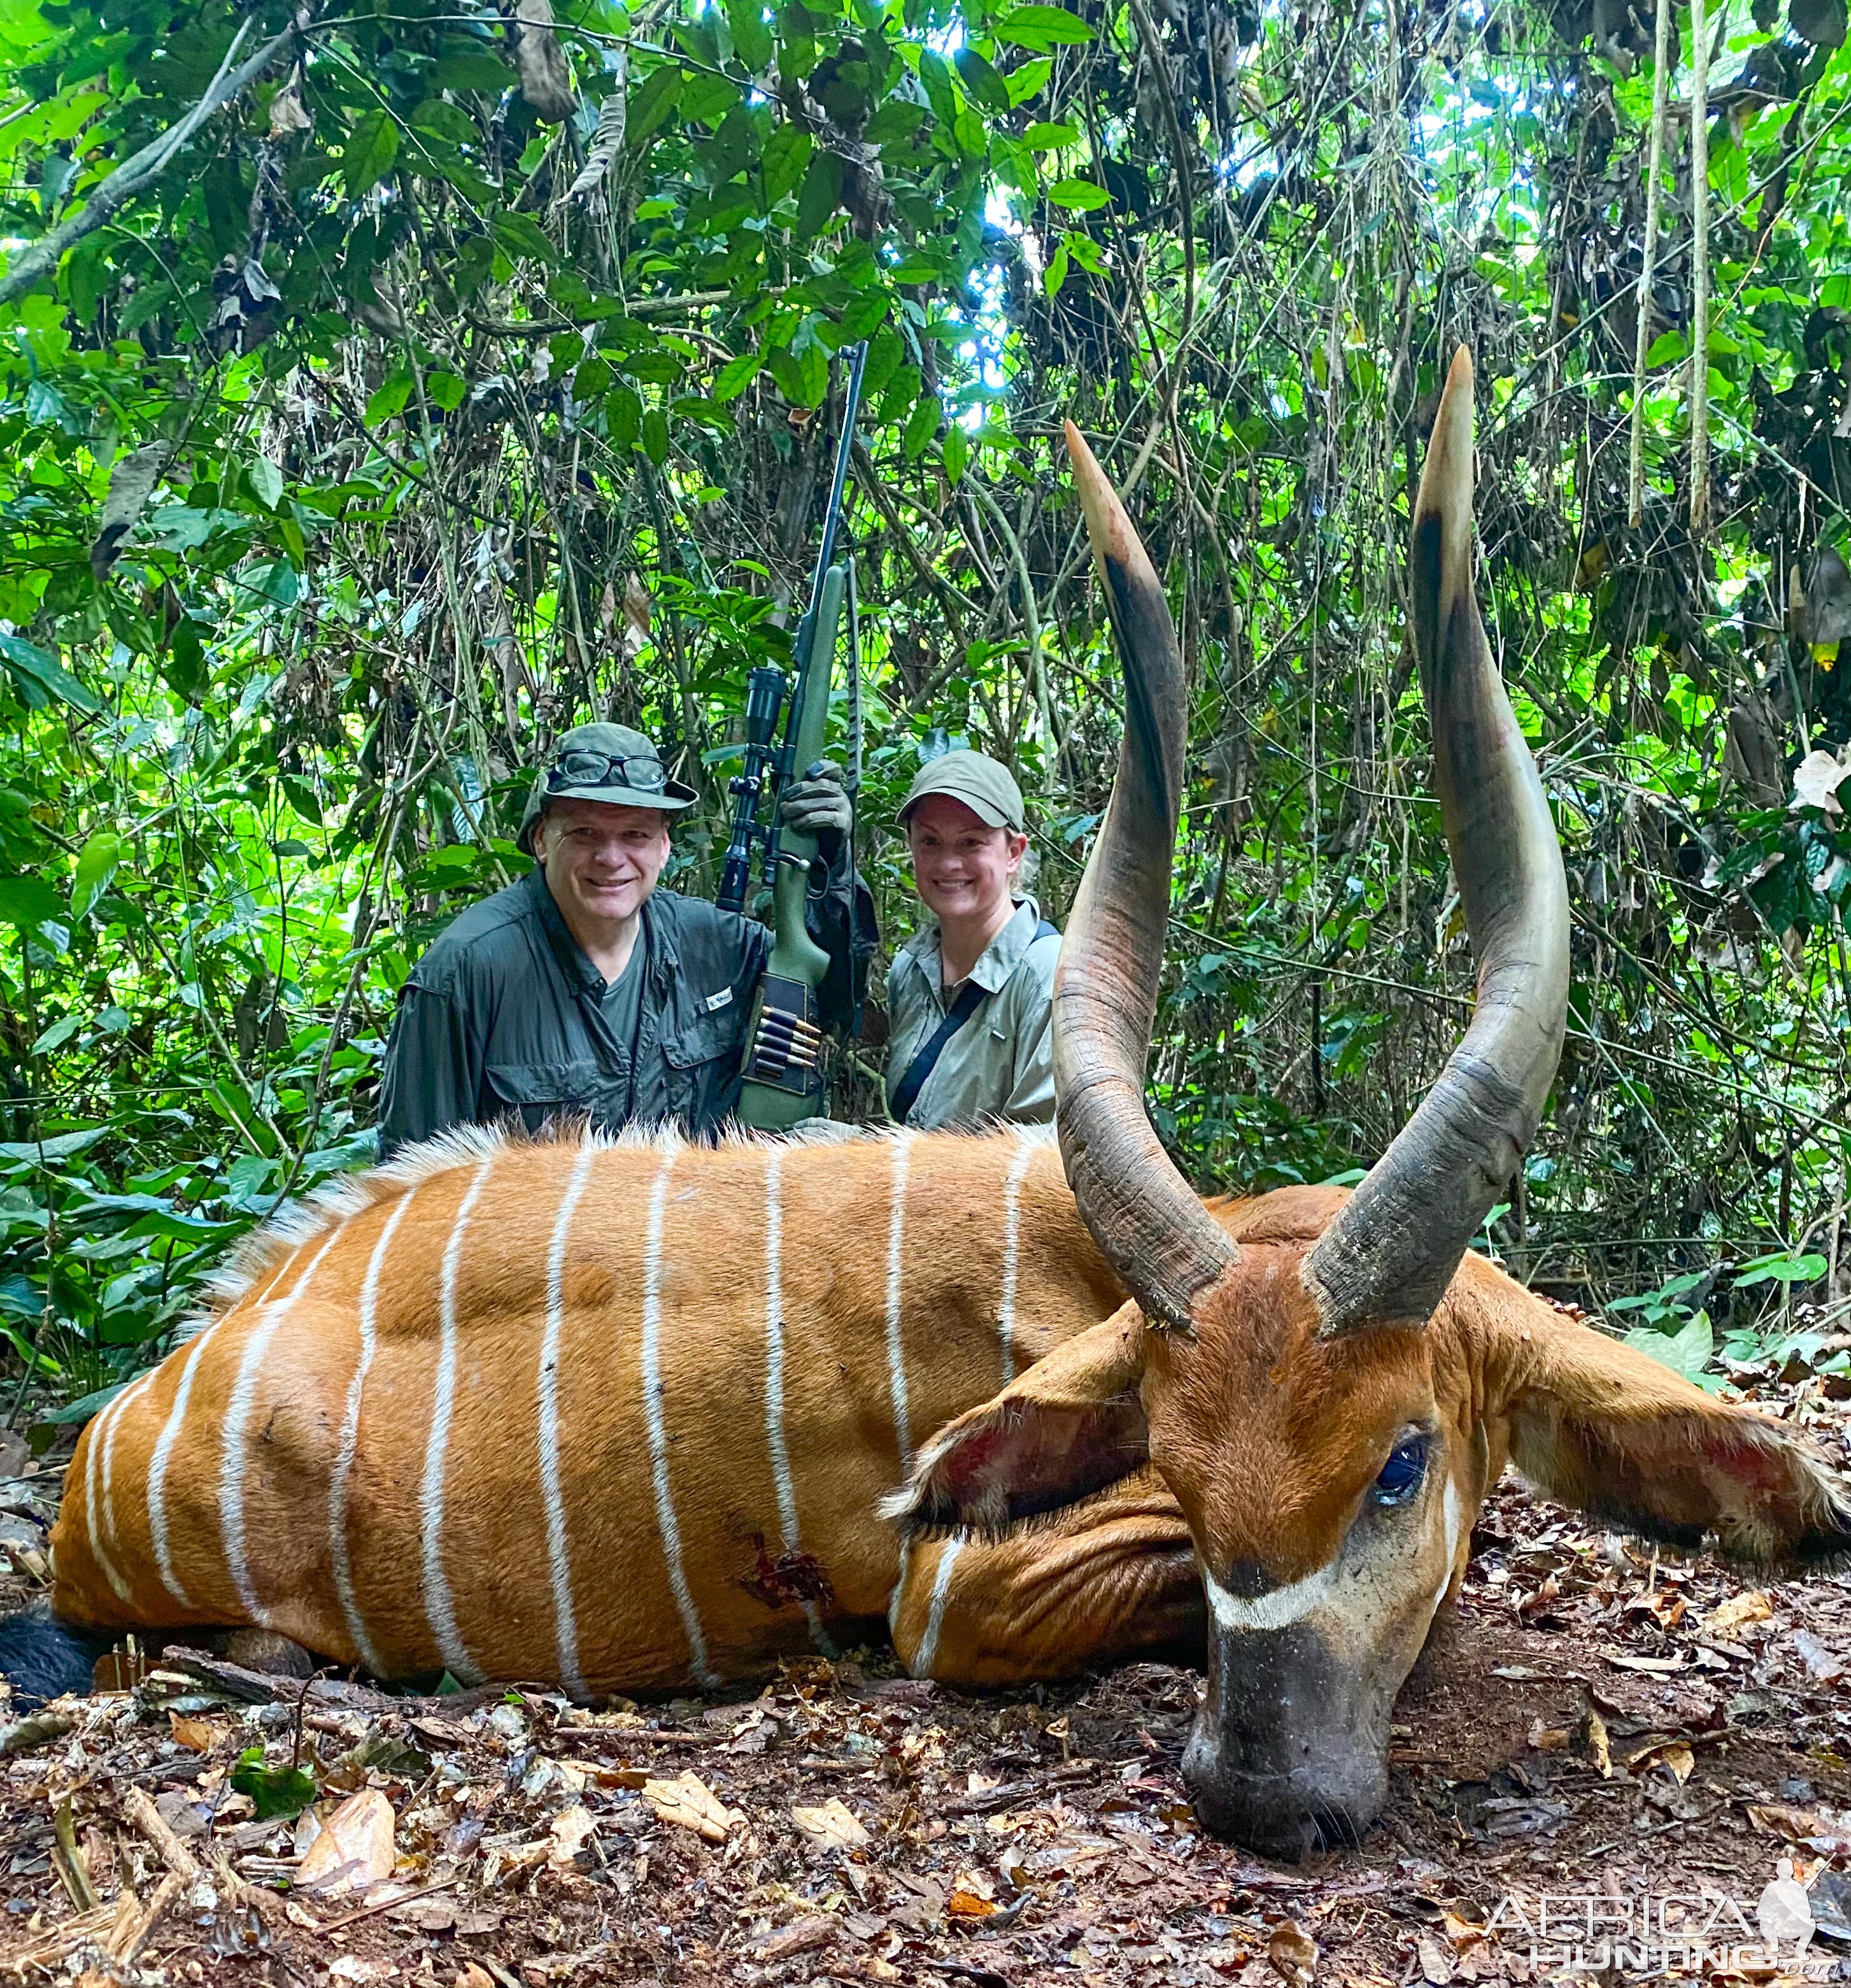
<point x="523" y="237"/>
<point x="980" y="79"/>
<point x="751" y="37"/>
<point x="821" y="195"/>
<point x="97" y="867"/>
<point x="1043" y="28"/>
<point x="370" y="153"/>
<point x="1688" y="1352"/>
<point x="27" y="901"/>
<point x="38" y="677"/>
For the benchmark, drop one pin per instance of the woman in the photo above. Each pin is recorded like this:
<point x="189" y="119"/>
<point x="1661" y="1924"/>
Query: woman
<point x="970" y="997"/>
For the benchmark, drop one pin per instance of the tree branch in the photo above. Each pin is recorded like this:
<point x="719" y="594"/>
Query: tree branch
<point x="33" y="265"/>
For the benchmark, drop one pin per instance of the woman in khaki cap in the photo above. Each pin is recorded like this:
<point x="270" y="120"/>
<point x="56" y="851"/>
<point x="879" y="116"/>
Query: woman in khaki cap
<point x="970" y="997"/>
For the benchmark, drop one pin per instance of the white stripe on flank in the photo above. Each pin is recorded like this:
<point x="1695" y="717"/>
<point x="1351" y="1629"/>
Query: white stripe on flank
<point x="774" y="1347"/>
<point x="897" y="1371"/>
<point x="267" y="1294"/>
<point x="439" y="1605"/>
<point x="565" y="1619"/>
<point x="350" y="1442"/>
<point x="107" y="1423"/>
<point x="774" y="1374"/>
<point x="1277" y="1610"/>
<point x="899" y="1589"/>
<point x="927" y="1655"/>
<point x="157" y="1472"/>
<point x="666" y="1523"/>
<point x="93" y="1498"/>
<point x="1026" y="1149"/>
<point x="238" y="1414"/>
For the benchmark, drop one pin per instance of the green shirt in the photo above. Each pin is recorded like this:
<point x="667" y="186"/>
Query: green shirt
<point x="1001" y="1064"/>
<point x="505" y="1020"/>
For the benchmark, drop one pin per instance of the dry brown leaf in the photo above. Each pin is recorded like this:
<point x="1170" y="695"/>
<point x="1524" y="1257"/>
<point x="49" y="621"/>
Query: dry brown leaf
<point x="470" y="1976"/>
<point x="1435" y="1967"/>
<point x="545" y="75"/>
<point x="1815" y="782"/>
<point x="688" y="1803"/>
<point x="1735" y="1615"/>
<point x="1671" y="1753"/>
<point x="196" y="1733"/>
<point x="1794" y="1825"/>
<point x="354" y="1850"/>
<point x="1598" y="1747"/>
<point x="1293" y="1953"/>
<point x="802" y="1937"/>
<point x="1823" y="1666"/>
<point x="287" y="112"/>
<point x="607" y="141"/>
<point x="572" y="1829"/>
<point x="969" y="1905"/>
<point x="834" y="1826"/>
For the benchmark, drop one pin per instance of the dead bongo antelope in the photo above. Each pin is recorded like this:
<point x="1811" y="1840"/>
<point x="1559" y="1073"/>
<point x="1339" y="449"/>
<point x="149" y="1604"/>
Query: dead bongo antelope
<point x="1303" y="1409"/>
<point x="574" y="1411"/>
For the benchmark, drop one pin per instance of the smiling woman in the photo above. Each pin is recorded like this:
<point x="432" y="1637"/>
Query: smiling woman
<point x="970" y="996"/>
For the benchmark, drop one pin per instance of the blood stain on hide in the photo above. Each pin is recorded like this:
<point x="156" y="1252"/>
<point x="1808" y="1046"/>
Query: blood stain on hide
<point x="791" y="1578"/>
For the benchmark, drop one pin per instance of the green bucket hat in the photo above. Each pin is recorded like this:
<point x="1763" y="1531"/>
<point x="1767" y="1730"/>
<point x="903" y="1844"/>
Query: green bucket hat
<point x="603" y="762"/>
<point x="986" y="789"/>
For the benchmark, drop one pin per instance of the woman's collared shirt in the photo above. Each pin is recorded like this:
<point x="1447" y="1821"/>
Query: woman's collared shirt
<point x="1001" y="1064"/>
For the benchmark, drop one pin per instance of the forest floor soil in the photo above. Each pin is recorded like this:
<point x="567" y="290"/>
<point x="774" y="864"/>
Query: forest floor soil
<point x="1628" y="1737"/>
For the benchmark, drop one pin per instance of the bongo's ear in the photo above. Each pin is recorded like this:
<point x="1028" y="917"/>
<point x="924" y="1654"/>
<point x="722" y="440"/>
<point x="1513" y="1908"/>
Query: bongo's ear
<point x="1069" y="1426"/>
<point x="1605" y="1427"/>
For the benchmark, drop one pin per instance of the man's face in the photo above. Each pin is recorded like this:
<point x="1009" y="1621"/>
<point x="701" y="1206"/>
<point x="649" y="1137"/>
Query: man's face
<point x="601" y="860"/>
<point x="964" y="867"/>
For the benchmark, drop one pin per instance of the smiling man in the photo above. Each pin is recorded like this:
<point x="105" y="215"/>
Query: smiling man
<point x="971" y="996"/>
<point x="583" y="989"/>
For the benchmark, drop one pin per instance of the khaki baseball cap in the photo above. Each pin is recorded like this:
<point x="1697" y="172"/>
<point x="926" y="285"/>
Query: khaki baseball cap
<point x="986" y="789"/>
<point x="604" y="762"/>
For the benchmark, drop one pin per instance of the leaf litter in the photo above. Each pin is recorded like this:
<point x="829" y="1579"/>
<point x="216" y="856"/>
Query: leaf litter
<point x="1593" y="1718"/>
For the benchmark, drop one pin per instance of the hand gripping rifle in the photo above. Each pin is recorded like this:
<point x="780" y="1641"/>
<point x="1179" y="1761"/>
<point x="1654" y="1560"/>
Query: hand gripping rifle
<point x="783" y="1072"/>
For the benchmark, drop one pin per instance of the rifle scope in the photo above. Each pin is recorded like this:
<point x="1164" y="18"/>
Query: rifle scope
<point x="765" y="689"/>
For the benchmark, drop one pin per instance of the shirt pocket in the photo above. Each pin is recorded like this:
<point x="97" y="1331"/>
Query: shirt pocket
<point x="706" y="1038"/>
<point x="542" y="1090"/>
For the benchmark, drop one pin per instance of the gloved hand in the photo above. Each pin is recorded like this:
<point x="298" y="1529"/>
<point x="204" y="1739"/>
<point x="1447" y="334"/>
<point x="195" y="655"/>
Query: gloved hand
<point x="818" y="805"/>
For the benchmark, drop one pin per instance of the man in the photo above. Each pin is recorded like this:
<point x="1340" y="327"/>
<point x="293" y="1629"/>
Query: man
<point x="583" y="989"/>
<point x="970" y="998"/>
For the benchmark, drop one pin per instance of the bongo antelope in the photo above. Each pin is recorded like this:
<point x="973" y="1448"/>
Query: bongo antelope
<point x="576" y="1411"/>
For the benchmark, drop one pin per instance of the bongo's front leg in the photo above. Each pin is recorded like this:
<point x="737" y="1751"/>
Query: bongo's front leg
<point x="1112" y="1579"/>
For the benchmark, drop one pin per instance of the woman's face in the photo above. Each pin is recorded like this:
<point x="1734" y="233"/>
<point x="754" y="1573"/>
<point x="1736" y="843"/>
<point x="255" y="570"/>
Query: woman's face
<point x="964" y="868"/>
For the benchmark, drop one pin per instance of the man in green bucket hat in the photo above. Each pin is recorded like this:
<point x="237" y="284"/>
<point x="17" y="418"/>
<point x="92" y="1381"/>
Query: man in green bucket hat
<point x="582" y="989"/>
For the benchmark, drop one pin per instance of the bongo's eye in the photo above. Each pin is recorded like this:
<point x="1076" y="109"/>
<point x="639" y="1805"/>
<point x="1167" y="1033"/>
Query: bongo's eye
<point x="1403" y="1475"/>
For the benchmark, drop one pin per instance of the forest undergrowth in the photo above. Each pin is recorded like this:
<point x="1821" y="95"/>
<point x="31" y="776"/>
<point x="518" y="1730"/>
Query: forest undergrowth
<point x="386" y="389"/>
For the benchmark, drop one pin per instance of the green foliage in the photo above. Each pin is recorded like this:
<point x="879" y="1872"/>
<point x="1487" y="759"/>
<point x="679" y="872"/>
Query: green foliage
<point x="372" y="444"/>
<point x="276" y="1793"/>
<point x="1688" y="1352"/>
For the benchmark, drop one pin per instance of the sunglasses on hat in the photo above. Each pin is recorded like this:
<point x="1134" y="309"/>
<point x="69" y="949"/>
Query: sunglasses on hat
<point x="645" y="773"/>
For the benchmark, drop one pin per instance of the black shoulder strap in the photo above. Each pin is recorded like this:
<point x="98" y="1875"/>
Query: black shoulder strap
<point x="971" y="997"/>
<point x="905" y="1094"/>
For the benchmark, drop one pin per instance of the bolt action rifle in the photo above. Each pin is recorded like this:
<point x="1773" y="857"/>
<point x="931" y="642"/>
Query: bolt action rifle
<point x="783" y="1066"/>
